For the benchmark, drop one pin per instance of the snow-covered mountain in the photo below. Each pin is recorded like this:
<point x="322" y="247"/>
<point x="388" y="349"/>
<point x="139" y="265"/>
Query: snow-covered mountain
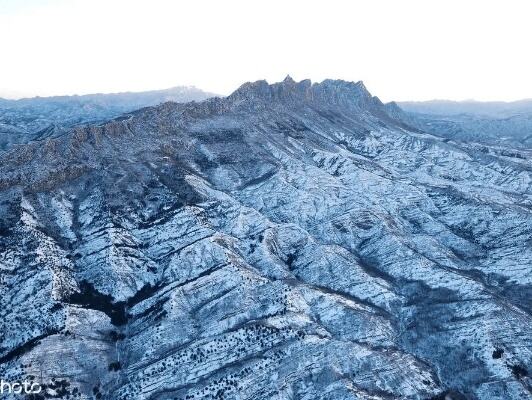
<point x="38" y="118"/>
<point x="495" y="123"/>
<point x="491" y="109"/>
<point x="289" y="241"/>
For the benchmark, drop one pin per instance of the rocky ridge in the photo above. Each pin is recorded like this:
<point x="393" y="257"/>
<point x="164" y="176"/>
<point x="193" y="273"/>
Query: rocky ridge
<point x="40" y="118"/>
<point x="293" y="240"/>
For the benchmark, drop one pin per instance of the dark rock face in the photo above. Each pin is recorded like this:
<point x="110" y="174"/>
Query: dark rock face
<point x="290" y="241"/>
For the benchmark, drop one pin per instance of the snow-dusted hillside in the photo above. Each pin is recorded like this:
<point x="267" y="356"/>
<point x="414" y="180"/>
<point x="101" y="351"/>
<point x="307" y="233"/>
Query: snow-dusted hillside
<point x="495" y="123"/>
<point x="39" y="118"/>
<point x="290" y="241"/>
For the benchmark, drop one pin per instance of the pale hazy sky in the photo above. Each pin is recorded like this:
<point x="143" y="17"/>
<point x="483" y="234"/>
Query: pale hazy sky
<point x="401" y="49"/>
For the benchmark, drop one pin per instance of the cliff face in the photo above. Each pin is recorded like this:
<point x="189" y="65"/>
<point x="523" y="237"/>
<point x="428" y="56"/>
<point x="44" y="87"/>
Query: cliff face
<point x="290" y="241"/>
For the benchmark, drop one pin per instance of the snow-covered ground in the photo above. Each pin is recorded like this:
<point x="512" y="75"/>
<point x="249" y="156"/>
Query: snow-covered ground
<point x="290" y="241"/>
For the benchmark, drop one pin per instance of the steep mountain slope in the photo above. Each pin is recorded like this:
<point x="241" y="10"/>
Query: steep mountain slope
<point x="38" y="118"/>
<point x="290" y="241"/>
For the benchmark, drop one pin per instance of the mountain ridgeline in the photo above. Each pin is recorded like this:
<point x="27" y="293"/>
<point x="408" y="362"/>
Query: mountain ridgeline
<point x="39" y="118"/>
<point x="293" y="240"/>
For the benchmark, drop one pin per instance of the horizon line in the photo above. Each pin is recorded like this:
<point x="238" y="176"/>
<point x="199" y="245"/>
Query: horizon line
<point x="7" y="97"/>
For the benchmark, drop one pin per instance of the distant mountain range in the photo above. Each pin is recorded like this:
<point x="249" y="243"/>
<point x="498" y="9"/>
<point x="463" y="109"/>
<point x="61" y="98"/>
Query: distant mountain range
<point x="496" y="123"/>
<point x="38" y="118"/>
<point x="486" y="109"/>
<point x="294" y="240"/>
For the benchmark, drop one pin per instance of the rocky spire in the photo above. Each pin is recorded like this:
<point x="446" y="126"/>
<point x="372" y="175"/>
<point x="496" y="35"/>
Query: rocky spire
<point x="288" y="79"/>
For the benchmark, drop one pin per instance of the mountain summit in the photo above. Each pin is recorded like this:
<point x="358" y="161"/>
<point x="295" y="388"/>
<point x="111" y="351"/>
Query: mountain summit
<point x="290" y="241"/>
<point x="329" y="93"/>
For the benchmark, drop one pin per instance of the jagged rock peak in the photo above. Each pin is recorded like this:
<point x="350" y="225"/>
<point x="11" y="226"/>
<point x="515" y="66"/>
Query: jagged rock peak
<point x="337" y="92"/>
<point x="288" y="79"/>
